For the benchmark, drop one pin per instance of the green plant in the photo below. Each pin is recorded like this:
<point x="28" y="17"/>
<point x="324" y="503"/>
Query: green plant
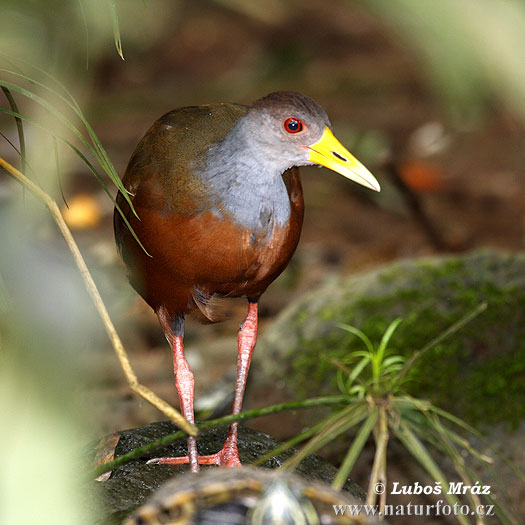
<point x="382" y="367"/>
<point x="373" y="381"/>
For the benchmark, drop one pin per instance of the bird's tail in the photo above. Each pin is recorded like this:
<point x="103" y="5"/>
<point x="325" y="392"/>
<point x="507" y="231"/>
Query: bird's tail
<point x="209" y="307"/>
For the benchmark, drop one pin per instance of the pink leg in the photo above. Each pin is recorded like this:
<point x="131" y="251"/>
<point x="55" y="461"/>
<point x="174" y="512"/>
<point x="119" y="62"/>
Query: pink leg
<point x="246" y="339"/>
<point x="229" y="455"/>
<point x="185" y="384"/>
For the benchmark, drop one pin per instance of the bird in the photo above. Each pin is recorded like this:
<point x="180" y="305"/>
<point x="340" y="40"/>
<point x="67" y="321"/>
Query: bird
<point x="218" y="208"/>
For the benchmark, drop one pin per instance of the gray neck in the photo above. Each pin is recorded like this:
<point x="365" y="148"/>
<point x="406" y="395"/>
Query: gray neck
<point x="246" y="184"/>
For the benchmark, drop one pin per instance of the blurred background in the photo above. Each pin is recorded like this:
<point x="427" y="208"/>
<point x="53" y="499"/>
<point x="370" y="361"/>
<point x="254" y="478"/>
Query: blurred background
<point x="430" y="96"/>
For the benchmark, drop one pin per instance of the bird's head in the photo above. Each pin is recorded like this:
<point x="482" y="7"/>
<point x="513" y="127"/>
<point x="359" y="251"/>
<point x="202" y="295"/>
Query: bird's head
<point x="288" y="129"/>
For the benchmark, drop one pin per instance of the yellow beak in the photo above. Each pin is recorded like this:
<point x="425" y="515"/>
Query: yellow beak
<point x="329" y="152"/>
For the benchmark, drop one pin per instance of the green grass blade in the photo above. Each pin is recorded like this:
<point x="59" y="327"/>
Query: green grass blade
<point x="453" y="453"/>
<point x="448" y="439"/>
<point x="292" y="442"/>
<point x="325" y="426"/>
<point x="358" y="369"/>
<point x="343" y="383"/>
<point x="41" y="71"/>
<point x="481" y="437"/>
<point x="19" y="128"/>
<point x="393" y="359"/>
<point x="73" y="105"/>
<point x="59" y="176"/>
<point x="387" y="336"/>
<point x="10" y="142"/>
<point x="115" y="24"/>
<point x="503" y="514"/>
<point x="65" y="141"/>
<point x="339" y="423"/>
<point x="88" y="164"/>
<point x="28" y="166"/>
<point x="6" y="304"/>
<point x="358" y="333"/>
<point x="452" y="329"/>
<point x="354" y="450"/>
<point x="340" y="380"/>
<point x="53" y="111"/>
<point x="422" y="456"/>
<point x="96" y="149"/>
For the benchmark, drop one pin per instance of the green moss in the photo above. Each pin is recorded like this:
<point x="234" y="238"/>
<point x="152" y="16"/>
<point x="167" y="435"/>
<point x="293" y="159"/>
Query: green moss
<point x="478" y="373"/>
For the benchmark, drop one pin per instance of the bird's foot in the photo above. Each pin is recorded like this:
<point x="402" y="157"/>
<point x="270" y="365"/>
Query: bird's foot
<point x="227" y="457"/>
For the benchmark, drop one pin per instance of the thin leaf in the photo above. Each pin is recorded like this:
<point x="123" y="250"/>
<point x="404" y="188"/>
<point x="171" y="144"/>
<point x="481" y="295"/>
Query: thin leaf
<point x="457" y="460"/>
<point x="116" y="30"/>
<point x="357" y="370"/>
<point x="28" y="166"/>
<point x="43" y="72"/>
<point x="97" y="150"/>
<point x="340" y="380"/>
<point x="10" y="142"/>
<point x="355" y="331"/>
<point x="420" y="453"/>
<point x="339" y="423"/>
<point x="354" y="450"/>
<point x="449" y="331"/>
<point x="467" y="475"/>
<point x="19" y="127"/>
<point x="57" y="164"/>
<point x="226" y="420"/>
<point x="393" y="359"/>
<point x="58" y="115"/>
<point x="292" y="442"/>
<point x="358" y="390"/>
<point x="387" y="336"/>
<point x="89" y="165"/>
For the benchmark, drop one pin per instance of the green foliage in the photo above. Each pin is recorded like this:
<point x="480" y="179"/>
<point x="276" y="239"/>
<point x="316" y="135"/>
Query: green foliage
<point x="76" y="133"/>
<point x="479" y="373"/>
<point x="373" y="378"/>
<point x="370" y="370"/>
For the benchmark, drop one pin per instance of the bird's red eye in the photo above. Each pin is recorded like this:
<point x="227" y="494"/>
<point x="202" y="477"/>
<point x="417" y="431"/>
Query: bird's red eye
<point x="293" y="125"/>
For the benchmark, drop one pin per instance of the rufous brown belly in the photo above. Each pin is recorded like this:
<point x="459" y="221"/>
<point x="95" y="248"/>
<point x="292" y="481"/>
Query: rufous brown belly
<point x="194" y="256"/>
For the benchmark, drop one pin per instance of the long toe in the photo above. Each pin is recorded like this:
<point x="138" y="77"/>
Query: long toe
<point x="181" y="460"/>
<point x="227" y="457"/>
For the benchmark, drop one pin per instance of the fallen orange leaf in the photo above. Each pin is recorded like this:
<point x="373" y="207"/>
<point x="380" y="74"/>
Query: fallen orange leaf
<point x="421" y="177"/>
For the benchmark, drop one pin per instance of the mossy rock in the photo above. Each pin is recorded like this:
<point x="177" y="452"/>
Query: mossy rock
<point x="477" y="373"/>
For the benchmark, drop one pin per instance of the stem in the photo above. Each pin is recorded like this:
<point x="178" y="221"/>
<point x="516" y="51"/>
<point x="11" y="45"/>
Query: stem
<point x="249" y="414"/>
<point x="283" y="447"/>
<point x="378" y="474"/>
<point x="92" y="290"/>
<point x="354" y="451"/>
<point x="334" y="425"/>
<point x="481" y="307"/>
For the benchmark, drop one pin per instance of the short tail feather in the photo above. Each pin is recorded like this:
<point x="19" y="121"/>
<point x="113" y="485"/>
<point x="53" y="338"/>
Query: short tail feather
<point x="208" y="306"/>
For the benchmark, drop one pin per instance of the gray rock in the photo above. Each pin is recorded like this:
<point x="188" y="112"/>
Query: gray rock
<point x="131" y="485"/>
